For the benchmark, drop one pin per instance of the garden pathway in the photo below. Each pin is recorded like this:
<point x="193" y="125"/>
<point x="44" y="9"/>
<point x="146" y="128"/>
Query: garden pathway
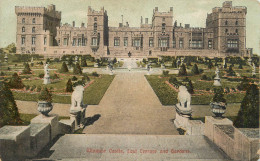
<point x="130" y="107"/>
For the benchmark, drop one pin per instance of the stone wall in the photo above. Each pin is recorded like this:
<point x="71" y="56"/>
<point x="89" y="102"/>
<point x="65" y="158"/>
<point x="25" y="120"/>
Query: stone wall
<point x="238" y="144"/>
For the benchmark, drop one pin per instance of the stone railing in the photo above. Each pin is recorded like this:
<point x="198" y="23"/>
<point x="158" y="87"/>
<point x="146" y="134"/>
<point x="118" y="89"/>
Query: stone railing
<point x="238" y="144"/>
<point x="27" y="141"/>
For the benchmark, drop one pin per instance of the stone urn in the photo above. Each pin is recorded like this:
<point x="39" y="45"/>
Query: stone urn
<point x="218" y="108"/>
<point x="44" y="107"/>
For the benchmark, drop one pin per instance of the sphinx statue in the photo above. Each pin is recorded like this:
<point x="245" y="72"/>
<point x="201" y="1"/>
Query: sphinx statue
<point x="184" y="100"/>
<point x="77" y="98"/>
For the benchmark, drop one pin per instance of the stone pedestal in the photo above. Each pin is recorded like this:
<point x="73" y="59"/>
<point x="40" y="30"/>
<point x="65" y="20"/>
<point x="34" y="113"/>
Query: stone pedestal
<point x="51" y="119"/>
<point x="78" y="116"/>
<point x="181" y="121"/>
<point x="46" y="79"/>
<point x="14" y="142"/>
<point x="210" y="122"/>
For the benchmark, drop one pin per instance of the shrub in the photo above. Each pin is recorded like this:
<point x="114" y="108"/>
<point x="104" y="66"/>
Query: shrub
<point x="227" y="90"/>
<point x="86" y="77"/>
<point x="41" y="75"/>
<point x="165" y="73"/>
<point x="16" y="82"/>
<point x="64" y="68"/>
<point x="26" y="69"/>
<point x="2" y="74"/>
<point x="83" y="62"/>
<point x="182" y="71"/>
<point x="219" y="95"/>
<point x="173" y="80"/>
<point x="95" y="74"/>
<point x="230" y="71"/>
<point x="9" y="114"/>
<point x="248" y="115"/>
<point x="77" y="69"/>
<point x="74" y="78"/>
<point x="69" y="87"/>
<point x="195" y="70"/>
<point x="45" y="95"/>
<point x="207" y="89"/>
<point x="210" y="65"/>
<point x="240" y="66"/>
<point x="190" y="87"/>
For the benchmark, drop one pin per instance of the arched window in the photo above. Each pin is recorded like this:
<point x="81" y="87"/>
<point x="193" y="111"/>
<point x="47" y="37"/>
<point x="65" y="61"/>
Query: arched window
<point x="95" y="18"/>
<point x="33" y="30"/>
<point x="236" y="22"/>
<point x="23" y="20"/>
<point x="226" y="22"/>
<point x="163" y="27"/>
<point x="33" y="20"/>
<point x="23" y="29"/>
<point x="236" y="30"/>
<point x="95" y="27"/>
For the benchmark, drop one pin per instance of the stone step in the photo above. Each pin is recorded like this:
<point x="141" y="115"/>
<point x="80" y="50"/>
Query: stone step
<point x="134" y="147"/>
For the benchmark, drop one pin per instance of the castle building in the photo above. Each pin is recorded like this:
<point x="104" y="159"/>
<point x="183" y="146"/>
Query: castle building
<point x="39" y="31"/>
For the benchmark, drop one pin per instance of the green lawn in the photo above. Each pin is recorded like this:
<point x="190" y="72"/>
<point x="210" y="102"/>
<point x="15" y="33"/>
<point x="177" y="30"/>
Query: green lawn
<point x="92" y="96"/>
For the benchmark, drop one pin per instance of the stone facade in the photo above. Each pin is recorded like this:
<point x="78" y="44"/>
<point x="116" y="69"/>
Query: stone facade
<point x="224" y="34"/>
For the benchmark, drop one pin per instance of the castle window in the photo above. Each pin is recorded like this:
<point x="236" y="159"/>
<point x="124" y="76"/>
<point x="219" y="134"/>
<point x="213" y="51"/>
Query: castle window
<point x="45" y="40"/>
<point x="23" y="29"/>
<point x="137" y="42"/>
<point x="151" y="42"/>
<point x="94" y="41"/>
<point x="33" y="20"/>
<point x="180" y="43"/>
<point x="237" y="31"/>
<point x="33" y="30"/>
<point x="84" y="41"/>
<point x="210" y="44"/>
<point x="65" y="41"/>
<point x="33" y="40"/>
<point x="116" y="41"/>
<point x="196" y="44"/>
<point x="95" y="18"/>
<point x="23" y="40"/>
<point x="126" y="41"/>
<point x="173" y="43"/>
<point x="95" y="27"/>
<point x="226" y="30"/>
<point x="23" y="20"/>
<point x="163" y="27"/>
<point x="79" y="42"/>
<point x="74" y="42"/>
<point x="33" y="50"/>
<point x="232" y="43"/>
<point x="226" y="22"/>
<point x="163" y="42"/>
<point x="236" y="22"/>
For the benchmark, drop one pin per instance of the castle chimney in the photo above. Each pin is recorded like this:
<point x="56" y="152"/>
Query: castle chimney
<point x="146" y="20"/>
<point x="73" y="23"/>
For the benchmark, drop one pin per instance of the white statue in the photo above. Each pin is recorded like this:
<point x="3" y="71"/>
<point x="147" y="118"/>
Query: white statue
<point x="217" y="79"/>
<point x="253" y="69"/>
<point x="77" y="98"/>
<point x="184" y="98"/>
<point x="46" y="79"/>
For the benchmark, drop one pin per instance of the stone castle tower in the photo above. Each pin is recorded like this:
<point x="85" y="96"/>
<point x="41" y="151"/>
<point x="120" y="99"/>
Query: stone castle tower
<point x="36" y="28"/>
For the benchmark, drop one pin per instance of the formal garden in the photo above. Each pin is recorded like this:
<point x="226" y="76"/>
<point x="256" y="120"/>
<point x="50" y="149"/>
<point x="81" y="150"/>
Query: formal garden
<point x="198" y="74"/>
<point x="24" y="75"/>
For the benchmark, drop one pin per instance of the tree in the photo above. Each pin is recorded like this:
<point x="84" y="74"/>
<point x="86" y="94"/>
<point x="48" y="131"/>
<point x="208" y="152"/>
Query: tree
<point x="70" y="61"/>
<point x="64" y="68"/>
<point x="174" y="64"/>
<point x="244" y="85"/>
<point x="9" y="114"/>
<point x="77" y="69"/>
<point x="182" y="71"/>
<point x="190" y="87"/>
<point x="230" y="71"/>
<point x="240" y="66"/>
<point x="195" y="70"/>
<point x="16" y="82"/>
<point x="27" y="69"/>
<point x="83" y="62"/>
<point x="69" y="86"/>
<point x="248" y="115"/>
<point x="45" y="95"/>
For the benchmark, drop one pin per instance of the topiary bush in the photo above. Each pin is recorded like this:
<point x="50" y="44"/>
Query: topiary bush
<point x="16" y="82"/>
<point x="26" y="69"/>
<point x="45" y="95"/>
<point x="95" y="74"/>
<point x="195" y="70"/>
<point x="165" y="73"/>
<point x="182" y="71"/>
<point x="74" y="78"/>
<point x="69" y="87"/>
<point x="64" y="68"/>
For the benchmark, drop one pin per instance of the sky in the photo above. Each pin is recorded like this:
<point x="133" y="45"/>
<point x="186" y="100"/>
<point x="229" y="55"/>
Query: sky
<point x="193" y="12"/>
